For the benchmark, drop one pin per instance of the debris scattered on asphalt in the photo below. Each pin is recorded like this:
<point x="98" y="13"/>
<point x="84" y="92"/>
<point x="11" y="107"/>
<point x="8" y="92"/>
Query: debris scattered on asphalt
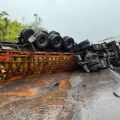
<point x="116" y="95"/>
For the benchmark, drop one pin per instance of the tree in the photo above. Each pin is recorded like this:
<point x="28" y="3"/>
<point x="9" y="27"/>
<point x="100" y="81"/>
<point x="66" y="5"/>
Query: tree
<point x="13" y="29"/>
<point x="3" y="14"/>
<point x="9" y="29"/>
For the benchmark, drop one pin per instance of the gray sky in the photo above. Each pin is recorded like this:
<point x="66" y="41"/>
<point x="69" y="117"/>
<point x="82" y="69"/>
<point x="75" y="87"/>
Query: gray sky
<point x="81" y="19"/>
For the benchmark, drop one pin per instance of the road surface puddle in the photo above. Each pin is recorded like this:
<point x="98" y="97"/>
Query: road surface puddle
<point x="24" y="93"/>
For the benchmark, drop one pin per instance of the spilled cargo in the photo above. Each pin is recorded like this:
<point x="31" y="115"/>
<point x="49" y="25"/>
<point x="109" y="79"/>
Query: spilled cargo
<point x="16" y="64"/>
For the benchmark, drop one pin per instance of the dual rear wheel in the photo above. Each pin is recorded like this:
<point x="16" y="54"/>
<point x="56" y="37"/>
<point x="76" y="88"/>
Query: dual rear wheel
<point x="46" y="41"/>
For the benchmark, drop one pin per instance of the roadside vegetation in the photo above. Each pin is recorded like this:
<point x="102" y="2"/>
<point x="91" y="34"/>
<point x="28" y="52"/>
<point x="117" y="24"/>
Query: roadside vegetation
<point x="9" y="29"/>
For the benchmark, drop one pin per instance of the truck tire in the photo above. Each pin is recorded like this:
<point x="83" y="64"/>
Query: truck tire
<point x="45" y="32"/>
<point x="54" y="32"/>
<point x="83" y="43"/>
<point x="56" y="42"/>
<point x="76" y="48"/>
<point x="26" y="34"/>
<point x="41" y="41"/>
<point x="50" y="36"/>
<point x="20" y="37"/>
<point x="68" y="43"/>
<point x="93" y="62"/>
<point x="86" y="46"/>
<point x="95" y="67"/>
<point x="65" y="37"/>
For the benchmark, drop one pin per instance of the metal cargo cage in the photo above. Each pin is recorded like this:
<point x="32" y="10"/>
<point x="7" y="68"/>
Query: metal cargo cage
<point x="16" y="64"/>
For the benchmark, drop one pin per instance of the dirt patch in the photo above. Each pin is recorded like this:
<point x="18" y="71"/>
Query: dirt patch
<point x="55" y="93"/>
<point x="55" y="101"/>
<point x="64" y="85"/>
<point x="39" y="98"/>
<point x="29" y="92"/>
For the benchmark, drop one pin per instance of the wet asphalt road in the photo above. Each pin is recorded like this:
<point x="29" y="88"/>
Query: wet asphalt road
<point x="85" y="96"/>
<point x="100" y="96"/>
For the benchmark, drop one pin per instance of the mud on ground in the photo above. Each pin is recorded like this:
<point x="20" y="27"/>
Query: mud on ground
<point x="62" y="96"/>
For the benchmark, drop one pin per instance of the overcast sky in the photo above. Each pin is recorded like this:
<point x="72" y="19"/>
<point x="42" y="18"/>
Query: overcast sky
<point x="81" y="19"/>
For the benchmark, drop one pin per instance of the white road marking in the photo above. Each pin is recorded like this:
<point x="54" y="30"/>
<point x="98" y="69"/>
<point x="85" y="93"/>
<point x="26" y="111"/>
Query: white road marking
<point x="116" y="74"/>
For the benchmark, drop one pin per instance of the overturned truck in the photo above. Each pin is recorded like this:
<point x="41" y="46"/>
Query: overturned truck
<point x="43" y="52"/>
